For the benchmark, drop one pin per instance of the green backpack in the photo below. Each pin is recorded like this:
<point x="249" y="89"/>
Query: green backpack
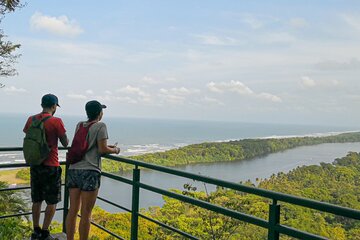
<point x="35" y="147"/>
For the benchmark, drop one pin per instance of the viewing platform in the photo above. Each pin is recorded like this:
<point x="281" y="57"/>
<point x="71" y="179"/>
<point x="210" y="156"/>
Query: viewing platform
<point x="59" y="236"/>
<point x="272" y="223"/>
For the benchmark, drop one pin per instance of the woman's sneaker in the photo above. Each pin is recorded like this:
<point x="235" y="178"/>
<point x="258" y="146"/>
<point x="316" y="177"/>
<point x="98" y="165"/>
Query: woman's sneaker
<point x="45" y="235"/>
<point x="36" y="235"/>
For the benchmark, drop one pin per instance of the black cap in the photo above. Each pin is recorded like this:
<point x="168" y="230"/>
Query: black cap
<point x="49" y="100"/>
<point x="94" y="107"/>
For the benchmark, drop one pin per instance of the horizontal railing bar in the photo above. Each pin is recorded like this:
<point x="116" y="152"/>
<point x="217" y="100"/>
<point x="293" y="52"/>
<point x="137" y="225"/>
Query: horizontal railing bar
<point x="19" y="165"/>
<point x="228" y="212"/>
<point x="11" y="149"/>
<point x="116" y="177"/>
<point x="317" y="205"/>
<point x="14" y="165"/>
<point x="14" y="188"/>
<point x="168" y="227"/>
<point x="24" y="214"/>
<point x="292" y="232"/>
<point x="19" y="188"/>
<point x="19" y="149"/>
<point x="114" y="204"/>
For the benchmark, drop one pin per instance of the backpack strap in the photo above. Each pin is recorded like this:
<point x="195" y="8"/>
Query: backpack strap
<point x="81" y="124"/>
<point x="90" y="124"/>
<point x="42" y="120"/>
<point x="88" y="129"/>
<point x="45" y="118"/>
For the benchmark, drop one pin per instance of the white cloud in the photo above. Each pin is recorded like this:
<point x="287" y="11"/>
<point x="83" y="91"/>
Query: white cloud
<point x="171" y="28"/>
<point x="108" y="96"/>
<point x="149" y="80"/>
<point x="179" y="91"/>
<point x="137" y="93"/>
<point x="334" y="82"/>
<point x="76" y="96"/>
<point x="320" y="84"/>
<point x="170" y="79"/>
<point x="212" y="101"/>
<point x="92" y="52"/>
<point x="176" y="95"/>
<point x="126" y="100"/>
<point x="67" y="52"/>
<point x="132" y="90"/>
<point x="105" y="98"/>
<point x="277" y="37"/>
<point x="307" y="82"/>
<point x="351" y="20"/>
<point x="352" y="64"/>
<point x="153" y="81"/>
<point x="89" y="91"/>
<point x="12" y="90"/>
<point x="240" y="88"/>
<point x="174" y="99"/>
<point x="215" y="40"/>
<point x="213" y="87"/>
<point x="232" y="86"/>
<point x="298" y="22"/>
<point x="271" y="97"/>
<point x="61" y="25"/>
<point x="252" y="21"/>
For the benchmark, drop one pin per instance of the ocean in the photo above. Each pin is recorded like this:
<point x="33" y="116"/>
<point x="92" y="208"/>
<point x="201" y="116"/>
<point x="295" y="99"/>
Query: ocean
<point x="136" y="136"/>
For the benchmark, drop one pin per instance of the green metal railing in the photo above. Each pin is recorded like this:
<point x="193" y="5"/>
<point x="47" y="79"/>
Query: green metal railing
<point x="273" y="224"/>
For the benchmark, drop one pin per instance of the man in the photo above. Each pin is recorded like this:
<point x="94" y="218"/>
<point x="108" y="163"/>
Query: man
<point x="46" y="178"/>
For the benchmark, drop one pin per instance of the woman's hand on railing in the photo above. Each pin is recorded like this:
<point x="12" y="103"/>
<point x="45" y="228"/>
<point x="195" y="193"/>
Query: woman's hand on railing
<point x="117" y="150"/>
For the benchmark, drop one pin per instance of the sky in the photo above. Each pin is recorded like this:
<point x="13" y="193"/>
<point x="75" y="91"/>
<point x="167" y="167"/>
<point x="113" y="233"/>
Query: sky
<point x="267" y="61"/>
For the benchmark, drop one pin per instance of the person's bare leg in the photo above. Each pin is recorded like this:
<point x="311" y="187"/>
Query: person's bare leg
<point x="88" y="200"/>
<point x="72" y="213"/>
<point x="36" y="210"/>
<point x="49" y="214"/>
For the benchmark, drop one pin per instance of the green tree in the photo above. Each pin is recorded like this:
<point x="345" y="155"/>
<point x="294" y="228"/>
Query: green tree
<point x="8" y="56"/>
<point x="10" y="203"/>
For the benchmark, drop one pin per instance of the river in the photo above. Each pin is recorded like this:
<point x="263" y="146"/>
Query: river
<point x="262" y="167"/>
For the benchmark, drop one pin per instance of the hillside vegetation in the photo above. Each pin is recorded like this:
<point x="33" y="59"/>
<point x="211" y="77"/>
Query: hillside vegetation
<point x="218" y="152"/>
<point x="228" y="151"/>
<point x="337" y="183"/>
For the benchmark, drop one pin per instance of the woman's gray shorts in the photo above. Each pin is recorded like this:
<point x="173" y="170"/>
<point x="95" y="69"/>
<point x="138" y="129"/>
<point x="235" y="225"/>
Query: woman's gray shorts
<point x="86" y="180"/>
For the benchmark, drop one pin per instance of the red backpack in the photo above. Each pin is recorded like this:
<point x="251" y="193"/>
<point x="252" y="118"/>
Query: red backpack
<point x="79" y="145"/>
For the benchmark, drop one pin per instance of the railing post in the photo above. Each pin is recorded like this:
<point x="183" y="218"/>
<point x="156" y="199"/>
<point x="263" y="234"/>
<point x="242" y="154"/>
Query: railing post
<point x="66" y="200"/>
<point x="274" y="219"/>
<point x="135" y="204"/>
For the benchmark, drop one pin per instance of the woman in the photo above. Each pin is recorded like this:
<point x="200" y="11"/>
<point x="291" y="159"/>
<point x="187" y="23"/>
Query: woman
<point x="83" y="178"/>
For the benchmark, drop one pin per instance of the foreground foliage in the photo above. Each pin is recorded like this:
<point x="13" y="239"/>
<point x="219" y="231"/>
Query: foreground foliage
<point x="337" y="183"/>
<point x="10" y="203"/>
